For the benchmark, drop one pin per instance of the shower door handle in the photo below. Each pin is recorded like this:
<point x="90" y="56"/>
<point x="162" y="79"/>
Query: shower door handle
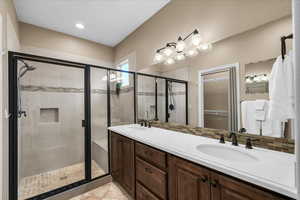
<point x="83" y="123"/>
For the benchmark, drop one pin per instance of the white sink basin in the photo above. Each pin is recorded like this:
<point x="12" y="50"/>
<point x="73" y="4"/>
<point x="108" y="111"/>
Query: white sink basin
<point x="227" y="153"/>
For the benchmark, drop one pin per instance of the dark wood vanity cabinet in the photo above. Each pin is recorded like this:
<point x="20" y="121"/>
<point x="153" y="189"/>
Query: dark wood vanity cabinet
<point x="151" y="173"/>
<point x="188" y="181"/>
<point x="225" y="187"/>
<point x="122" y="162"/>
<point x="147" y="173"/>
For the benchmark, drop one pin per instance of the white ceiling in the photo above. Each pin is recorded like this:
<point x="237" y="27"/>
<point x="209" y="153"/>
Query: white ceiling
<point x="106" y="21"/>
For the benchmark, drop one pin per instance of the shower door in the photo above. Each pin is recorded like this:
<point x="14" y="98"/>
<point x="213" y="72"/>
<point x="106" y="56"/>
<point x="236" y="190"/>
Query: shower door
<point x="51" y="133"/>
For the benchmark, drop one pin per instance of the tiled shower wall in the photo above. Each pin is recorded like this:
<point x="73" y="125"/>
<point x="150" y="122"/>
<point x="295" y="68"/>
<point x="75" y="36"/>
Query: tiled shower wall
<point x="146" y="98"/>
<point x="178" y="115"/>
<point x="54" y="138"/>
<point x="122" y="104"/>
<point x="49" y="145"/>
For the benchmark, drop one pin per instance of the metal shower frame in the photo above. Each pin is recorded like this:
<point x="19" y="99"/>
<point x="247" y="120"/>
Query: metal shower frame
<point x="13" y="120"/>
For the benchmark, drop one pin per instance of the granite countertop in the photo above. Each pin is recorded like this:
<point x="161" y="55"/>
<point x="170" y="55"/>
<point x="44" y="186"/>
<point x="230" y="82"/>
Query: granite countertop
<point x="273" y="170"/>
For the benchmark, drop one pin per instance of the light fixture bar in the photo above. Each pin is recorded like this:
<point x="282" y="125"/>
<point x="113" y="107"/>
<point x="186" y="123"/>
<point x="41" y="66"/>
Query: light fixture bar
<point x="169" y="53"/>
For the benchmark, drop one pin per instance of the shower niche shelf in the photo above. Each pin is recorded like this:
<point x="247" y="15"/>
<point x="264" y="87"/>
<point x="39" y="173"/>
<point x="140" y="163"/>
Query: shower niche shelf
<point x="49" y="115"/>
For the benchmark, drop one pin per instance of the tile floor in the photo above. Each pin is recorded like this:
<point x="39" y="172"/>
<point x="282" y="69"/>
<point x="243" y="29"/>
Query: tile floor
<point x="41" y="183"/>
<point x="109" y="191"/>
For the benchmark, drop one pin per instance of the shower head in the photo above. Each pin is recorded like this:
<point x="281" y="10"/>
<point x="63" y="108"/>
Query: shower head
<point x="25" y="68"/>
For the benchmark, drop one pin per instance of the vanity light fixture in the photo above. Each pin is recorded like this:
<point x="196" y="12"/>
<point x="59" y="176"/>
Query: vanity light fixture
<point x="188" y="46"/>
<point x="180" y="46"/>
<point x="158" y="57"/>
<point x="192" y="52"/>
<point x="196" y="38"/>
<point x="79" y="26"/>
<point x="257" y="78"/>
<point x="180" y="56"/>
<point x="170" y="61"/>
<point x="205" y="47"/>
<point x="265" y="78"/>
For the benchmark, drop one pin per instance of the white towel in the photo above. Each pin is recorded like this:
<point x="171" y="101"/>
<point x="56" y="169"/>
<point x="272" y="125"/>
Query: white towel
<point x="290" y="68"/>
<point x="248" y="119"/>
<point x="273" y="128"/>
<point x="260" y="104"/>
<point x="281" y="89"/>
<point x="270" y="127"/>
<point x="260" y="110"/>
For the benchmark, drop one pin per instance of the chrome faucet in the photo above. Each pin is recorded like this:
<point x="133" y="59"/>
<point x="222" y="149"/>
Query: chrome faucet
<point x="233" y="137"/>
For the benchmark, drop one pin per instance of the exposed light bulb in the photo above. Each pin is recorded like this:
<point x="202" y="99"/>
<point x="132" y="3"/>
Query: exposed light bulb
<point x="158" y="57"/>
<point x="196" y="38"/>
<point x="265" y="78"/>
<point x="180" y="46"/>
<point x="169" y="51"/>
<point x="170" y="61"/>
<point x="79" y="26"/>
<point x="249" y="80"/>
<point x="192" y="52"/>
<point x="180" y="56"/>
<point x="205" y="46"/>
<point x="256" y="78"/>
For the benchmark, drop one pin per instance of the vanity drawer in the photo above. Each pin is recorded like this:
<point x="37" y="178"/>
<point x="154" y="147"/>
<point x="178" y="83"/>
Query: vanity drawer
<point x="143" y="193"/>
<point x="151" y="177"/>
<point x="151" y="155"/>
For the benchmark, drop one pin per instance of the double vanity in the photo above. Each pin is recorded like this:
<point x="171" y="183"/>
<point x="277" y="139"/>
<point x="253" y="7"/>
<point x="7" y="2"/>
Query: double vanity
<point x="154" y="163"/>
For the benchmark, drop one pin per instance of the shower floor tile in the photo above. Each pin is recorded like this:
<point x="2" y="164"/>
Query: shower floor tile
<point x="110" y="191"/>
<point x="37" y="184"/>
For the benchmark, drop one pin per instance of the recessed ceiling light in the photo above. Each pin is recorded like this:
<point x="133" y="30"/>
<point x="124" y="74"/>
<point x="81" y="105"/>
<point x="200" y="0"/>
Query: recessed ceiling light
<point x="79" y="26"/>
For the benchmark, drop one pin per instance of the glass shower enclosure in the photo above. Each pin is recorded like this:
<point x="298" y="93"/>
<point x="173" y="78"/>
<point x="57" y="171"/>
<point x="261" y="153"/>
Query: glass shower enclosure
<point x="60" y="111"/>
<point x="161" y="99"/>
<point x="59" y="115"/>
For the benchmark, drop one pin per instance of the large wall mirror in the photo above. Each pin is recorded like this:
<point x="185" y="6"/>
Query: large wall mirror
<point x="240" y="97"/>
<point x="255" y="107"/>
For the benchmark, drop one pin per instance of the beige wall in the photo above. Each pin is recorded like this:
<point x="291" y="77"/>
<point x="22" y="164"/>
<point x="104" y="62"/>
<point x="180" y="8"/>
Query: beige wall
<point x="45" y="42"/>
<point x="9" y="41"/>
<point x="255" y="45"/>
<point x="216" y="20"/>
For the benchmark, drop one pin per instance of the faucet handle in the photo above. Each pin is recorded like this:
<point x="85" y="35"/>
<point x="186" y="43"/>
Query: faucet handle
<point x="234" y="138"/>
<point x="222" y="139"/>
<point x="249" y="143"/>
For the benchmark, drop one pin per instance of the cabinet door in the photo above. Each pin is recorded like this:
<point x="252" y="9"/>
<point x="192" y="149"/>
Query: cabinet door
<point x="226" y="188"/>
<point x="128" y="166"/>
<point x="187" y="181"/>
<point x="116" y="159"/>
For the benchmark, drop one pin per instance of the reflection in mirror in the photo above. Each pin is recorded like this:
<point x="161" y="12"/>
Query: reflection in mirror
<point x="257" y="78"/>
<point x="255" y="108"/>
<point x="218" y="98"/>
<point x="216" y="94"/>
<point x="176" y="102"/>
